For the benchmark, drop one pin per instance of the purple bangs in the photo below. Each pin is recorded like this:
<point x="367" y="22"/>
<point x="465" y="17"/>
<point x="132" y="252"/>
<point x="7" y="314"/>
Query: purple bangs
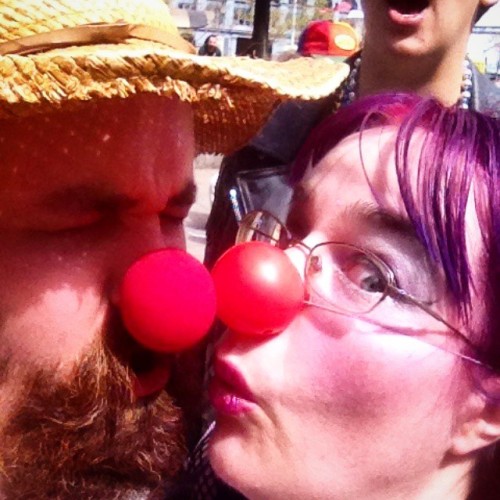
<point x="459" y="156"/>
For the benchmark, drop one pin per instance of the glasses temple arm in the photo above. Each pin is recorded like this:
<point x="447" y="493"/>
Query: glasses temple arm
<point x="431" y="312"/>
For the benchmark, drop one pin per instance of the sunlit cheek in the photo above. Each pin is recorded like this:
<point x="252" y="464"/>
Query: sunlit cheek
<point x="351" y="367"/>
<point x="56" y="327"/>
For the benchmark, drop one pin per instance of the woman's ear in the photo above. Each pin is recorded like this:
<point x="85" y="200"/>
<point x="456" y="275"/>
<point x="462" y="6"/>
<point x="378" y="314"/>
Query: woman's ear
<point x="479" y="429"/>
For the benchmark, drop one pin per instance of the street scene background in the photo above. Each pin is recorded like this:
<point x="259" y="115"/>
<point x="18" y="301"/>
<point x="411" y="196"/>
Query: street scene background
<point x="206" y="169"/>
<point x="234" y="22"/>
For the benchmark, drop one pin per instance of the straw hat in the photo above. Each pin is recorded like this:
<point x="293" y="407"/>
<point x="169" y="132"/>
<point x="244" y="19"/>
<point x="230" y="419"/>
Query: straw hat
<point x="58" y="53"/>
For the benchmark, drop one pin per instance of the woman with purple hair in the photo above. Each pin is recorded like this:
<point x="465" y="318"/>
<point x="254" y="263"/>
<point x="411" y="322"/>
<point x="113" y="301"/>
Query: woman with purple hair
<point x="384" y="382"/>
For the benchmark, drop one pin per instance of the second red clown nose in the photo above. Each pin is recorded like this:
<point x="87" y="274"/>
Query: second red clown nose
<point x="259" y="290"/>
<point x="167" y="301"/>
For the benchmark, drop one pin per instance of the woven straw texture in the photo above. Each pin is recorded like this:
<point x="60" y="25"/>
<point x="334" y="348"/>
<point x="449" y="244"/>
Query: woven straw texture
<point x="232" y="97"/>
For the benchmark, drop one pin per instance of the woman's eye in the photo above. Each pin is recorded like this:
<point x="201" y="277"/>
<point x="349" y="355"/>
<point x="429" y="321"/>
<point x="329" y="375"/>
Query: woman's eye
<point x="364" y="274"/>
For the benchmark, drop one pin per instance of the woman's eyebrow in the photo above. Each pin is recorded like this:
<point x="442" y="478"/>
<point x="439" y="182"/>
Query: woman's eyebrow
<point x="369" y="214"/>
<point x="384" y="218"/>
<point x="379" y="219"/>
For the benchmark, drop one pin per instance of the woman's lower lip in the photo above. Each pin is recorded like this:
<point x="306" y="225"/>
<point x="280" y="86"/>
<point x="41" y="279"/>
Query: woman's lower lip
<point x="406" y="20"/>
<point x="225" y="401"/>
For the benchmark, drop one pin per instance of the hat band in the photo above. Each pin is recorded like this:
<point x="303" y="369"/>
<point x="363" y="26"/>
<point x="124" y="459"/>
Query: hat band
<point x="93" y="34"/>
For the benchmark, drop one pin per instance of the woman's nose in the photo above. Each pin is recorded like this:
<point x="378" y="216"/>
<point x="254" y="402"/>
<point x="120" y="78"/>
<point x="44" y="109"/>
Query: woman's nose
<point x="259" y="289"/>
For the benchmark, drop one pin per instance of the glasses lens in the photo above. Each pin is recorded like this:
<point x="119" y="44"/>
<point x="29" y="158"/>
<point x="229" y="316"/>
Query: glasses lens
<point x="346" y="277"/>
<point x="262" y="226"/>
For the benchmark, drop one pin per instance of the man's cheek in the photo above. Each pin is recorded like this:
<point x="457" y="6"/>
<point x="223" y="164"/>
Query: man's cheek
<point x="55" y="325"/>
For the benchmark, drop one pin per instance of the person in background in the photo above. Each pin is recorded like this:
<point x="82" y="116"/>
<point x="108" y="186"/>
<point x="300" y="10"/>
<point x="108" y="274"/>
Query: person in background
<point x="210" y="47"/>
<point x="99" y="101"/>
<point x="383" y="380"/>
<point x="337" y="39"/>
<point x="345" y="6"/>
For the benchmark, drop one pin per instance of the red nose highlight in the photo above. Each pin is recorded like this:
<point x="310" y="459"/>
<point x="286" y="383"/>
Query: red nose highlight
<point x="259" y="290"/>
<point x="167" y="300"/>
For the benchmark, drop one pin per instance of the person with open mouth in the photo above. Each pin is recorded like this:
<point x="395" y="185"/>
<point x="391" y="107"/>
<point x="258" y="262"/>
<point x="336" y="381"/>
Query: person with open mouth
<point x="420" y="46"/>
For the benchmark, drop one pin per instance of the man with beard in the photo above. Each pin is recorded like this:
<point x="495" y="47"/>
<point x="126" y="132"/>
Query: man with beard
<point x="99" y="101"/>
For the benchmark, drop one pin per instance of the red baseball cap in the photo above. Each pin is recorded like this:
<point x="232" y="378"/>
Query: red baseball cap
<point x="328" y="38"/>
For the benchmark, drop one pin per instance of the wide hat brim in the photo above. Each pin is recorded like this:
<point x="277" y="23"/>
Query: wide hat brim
<point x="232" y="97"/>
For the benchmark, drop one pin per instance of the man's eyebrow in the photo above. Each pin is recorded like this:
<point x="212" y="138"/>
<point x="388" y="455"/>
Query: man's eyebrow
<point x="88" y="197"/>
<point x="85" y="197"/>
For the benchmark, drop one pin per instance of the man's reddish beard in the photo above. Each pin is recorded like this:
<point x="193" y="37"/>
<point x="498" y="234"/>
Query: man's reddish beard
<point x="89" y="438"/>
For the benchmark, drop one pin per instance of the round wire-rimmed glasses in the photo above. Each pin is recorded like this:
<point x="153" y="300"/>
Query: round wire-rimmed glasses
<point x="343" y="278"/>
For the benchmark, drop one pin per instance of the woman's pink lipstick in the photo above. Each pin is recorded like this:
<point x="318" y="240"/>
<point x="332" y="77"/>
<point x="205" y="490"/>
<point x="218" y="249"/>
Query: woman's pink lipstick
<point x="229" y="392"/>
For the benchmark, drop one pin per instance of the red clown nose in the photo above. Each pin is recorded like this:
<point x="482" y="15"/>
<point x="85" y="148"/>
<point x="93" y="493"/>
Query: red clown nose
<point x="167" y="300"/>
<point x="259" y="290"/>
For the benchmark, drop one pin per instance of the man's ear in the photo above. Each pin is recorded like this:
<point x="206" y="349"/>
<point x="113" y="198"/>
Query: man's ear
<point x="479" y="429"/>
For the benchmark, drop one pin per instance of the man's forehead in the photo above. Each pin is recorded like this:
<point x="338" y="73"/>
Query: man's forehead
<point x="103" y="122"/>
<point x="133" y="154"/>
<point x="150" y="139"/>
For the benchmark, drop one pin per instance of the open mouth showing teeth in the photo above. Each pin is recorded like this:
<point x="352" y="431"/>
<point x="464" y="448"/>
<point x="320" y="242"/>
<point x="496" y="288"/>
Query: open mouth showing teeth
<point x="408" y="7"/>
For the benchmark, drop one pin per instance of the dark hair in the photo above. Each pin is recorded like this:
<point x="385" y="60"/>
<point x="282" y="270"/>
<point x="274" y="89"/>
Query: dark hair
<point x="459" y="156"/>
<point x="205" y="43"/>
